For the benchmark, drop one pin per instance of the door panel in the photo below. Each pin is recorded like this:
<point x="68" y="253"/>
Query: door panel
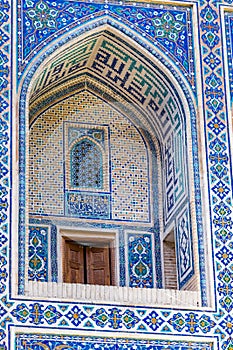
<point x="85" y="264"/>
<point x="98" y="271"/>
<point x="74" y="263"/>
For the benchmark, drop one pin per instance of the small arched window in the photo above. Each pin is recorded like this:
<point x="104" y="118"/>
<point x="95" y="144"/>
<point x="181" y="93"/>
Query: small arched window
<point x="86" y="165"/>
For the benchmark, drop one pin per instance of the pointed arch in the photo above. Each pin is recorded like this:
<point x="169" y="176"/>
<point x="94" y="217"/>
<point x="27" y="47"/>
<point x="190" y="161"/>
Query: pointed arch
<point x="170" y="115"/>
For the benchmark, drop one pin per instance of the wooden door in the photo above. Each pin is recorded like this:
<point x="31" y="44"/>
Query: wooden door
<point x="98" y="265"/>
<point x="73" y="263"/>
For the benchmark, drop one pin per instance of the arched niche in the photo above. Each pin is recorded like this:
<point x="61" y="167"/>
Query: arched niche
<point x="111" y="67"/>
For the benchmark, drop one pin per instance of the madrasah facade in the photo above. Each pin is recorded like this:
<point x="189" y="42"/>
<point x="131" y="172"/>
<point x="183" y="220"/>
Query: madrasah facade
<point x="116" y="175"/>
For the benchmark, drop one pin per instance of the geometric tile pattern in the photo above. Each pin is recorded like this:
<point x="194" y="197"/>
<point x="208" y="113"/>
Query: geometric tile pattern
<point x="38" y="253"/>
<point x="218" y="154"/>
<point x="151" y="92"/>
<point x="140" y="261"/>
<point x="170" y="26"/>
<point x="174" y="170"/>
<point x="216" y="323"/>
<point x="184" y="247"/>
<point x="5" y="180"/>
<point x="109" y="318"/>
<point x="86" y="157"/>
<point x="83" y="148"/>
<point x="229" y="42"/>
<point x="129" y="187"/>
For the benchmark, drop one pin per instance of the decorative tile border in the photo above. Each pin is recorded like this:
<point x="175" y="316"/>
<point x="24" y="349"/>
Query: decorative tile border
<point x="35" y="341"/>
<point x="218" y="323"/>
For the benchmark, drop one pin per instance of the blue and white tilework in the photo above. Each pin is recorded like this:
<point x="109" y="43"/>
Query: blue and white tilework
<point x="38" y="249"/>
<point x="41" y="22"/>
<point x="55" y="342"/>
<point x="140" y="262"/>
<point x="184" y="247"/>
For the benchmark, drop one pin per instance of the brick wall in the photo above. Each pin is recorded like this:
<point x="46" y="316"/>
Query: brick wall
<point x="170" y="274"/>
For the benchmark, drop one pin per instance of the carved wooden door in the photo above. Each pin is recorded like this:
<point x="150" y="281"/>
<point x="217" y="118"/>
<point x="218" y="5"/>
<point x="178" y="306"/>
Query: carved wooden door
<point x="98" y="265"/>
<point x="73" y="263"/>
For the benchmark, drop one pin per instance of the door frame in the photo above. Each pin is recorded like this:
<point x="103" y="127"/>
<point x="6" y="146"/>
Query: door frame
<point x="85" y="235"/>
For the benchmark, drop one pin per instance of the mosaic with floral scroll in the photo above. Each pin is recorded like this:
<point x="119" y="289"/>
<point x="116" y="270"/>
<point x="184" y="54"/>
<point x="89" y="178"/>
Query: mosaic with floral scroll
<point x="38" y="253"/>
<point x="55" y="342"/>
<point x="140" y="261"/>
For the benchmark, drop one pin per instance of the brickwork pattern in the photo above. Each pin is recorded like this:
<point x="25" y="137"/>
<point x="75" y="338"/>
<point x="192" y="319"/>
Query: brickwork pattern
<point x="129" y="74"/>
<point x="169" y="261"/>
<point x="130" y="194"/>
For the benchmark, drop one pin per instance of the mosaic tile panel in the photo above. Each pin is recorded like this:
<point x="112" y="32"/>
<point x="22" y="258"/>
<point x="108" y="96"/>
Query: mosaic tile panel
<point x="5" y="161"/>
<point x="217" y="117"/>
<point x="118" y="65"/>
<point x="38" y="250"/>
<point x="90" y="317"/>
<point x="184" y="247"/>
<point x="88" y="205"/>
<point x="123" y="66"/>
<point x="51" y="240"/>
<point x="142" y="84"/>
<point x="55" y="342"/>
<point x="217" y="323"/>
<point x="129" y="188"/>
<point x="169" y="26"/>
<point x="174" y="168"/>
<point x="140" y="262"/>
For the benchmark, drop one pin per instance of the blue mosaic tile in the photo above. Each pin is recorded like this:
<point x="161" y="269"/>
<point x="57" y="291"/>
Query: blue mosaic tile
<point x="184" y="247"/>
<point x="217" y="324"/>
<point x="229" y="38"/>
<point x="88" y="205"/>
<point x="51" y="341"/>
<point x="173" y="203"/>
<point x="38" y="254"/>
<point x="4" y="14"/>
<point x="171" y="28"/>
<point x="86" y="158"/>
<point x="140" y="261"/>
